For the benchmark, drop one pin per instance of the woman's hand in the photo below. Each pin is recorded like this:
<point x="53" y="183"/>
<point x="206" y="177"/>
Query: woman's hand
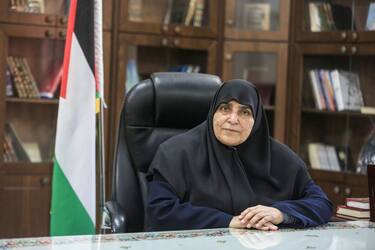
<point x="260" y="216"/>
<point x="236" y="223"/>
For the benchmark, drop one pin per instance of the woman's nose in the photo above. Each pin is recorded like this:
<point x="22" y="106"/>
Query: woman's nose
<point x="233" y="118"/>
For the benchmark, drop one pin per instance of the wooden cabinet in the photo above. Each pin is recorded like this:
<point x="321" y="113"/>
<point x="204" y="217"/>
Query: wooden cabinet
<point x="341" y="47"/>
<point x="153" y="53"/>
<point x="53" y="13"/>
<point x="255" y="48"/>
<point x="264" y="65"/>
<point x="25" y="182"/>
<point x="25" y="197"/>
<point x="339" y="186"/>
<point x="257" y="20"/>
<point x="165" y="17"/>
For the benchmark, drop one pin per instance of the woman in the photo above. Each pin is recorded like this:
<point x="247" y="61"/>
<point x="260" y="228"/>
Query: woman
<point x="228" y="172"/>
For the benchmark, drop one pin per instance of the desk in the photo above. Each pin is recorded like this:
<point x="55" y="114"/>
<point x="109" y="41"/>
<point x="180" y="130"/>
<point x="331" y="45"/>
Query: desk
<point x="335" y="235"/>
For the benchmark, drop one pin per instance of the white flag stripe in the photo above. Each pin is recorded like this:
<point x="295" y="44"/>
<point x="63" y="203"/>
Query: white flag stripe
<point x="75" y="142"/>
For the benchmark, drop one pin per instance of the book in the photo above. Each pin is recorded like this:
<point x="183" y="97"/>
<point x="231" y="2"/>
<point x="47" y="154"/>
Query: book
<point x="135" y="10"/>
<point x="190" y="12"/>
<point x="370" y="22"/>
<point x="33" y="151"/>
<point x="199" y="13"/>
<point x="35" y="6"/>
<point x="347" y="217"/>
<point x="257" y="16"/>
<point x="318" y="98"/>
<point x="312" y="149"/>
<point x="179" y="11"/>
<point x="368" y="110"/>
<point x="342" y="16"/>
<point x="168" y="12"/>
<point x="9" y="82"/>
<point x="350" y="90"/>
<point x="353" y="212"/>
<point x="362" y="203"/>
<point x="52" y="83"/>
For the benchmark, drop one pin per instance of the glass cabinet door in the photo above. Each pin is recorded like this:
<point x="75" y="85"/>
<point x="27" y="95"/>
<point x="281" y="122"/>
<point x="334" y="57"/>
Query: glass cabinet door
<point x="173" y="17"/>
<point x="336" y="108"/>
<point x="31" y="87"/>
<point x="330" y="21"/>
<point x="264" y="65"/>
<point x="41" y="12"/>
<point x="256" y="19"/>
<point x="142" y="55"/>
<point x="364" y="20"/>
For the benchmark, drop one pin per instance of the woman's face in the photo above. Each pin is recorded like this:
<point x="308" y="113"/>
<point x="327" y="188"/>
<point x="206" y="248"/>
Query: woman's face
<point x="233" y="123"/>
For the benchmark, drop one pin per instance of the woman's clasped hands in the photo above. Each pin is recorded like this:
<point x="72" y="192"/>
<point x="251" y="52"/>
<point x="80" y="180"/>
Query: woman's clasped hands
<point x="259" y="217"/>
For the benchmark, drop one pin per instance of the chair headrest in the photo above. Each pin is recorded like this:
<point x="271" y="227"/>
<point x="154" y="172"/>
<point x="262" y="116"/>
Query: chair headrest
<point x="171" y="100"/>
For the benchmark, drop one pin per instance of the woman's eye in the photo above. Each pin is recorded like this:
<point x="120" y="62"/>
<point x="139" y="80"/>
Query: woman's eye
<point x="224" y="108"/>
<point x="246" y="112"/>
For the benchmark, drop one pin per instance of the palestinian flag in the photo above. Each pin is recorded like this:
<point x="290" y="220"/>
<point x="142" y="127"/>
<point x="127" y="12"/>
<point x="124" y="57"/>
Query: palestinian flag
<point x="73" y="206"/>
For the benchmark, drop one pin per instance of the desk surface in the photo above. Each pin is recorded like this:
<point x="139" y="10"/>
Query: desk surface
<point x="336" y="235"/>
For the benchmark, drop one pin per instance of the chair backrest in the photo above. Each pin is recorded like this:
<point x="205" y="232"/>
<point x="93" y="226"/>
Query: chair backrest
<point x="154" y="110"/>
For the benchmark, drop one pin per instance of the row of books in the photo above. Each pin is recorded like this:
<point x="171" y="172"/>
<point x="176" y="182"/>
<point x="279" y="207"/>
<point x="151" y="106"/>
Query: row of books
<point x="329" y="157"/>
<point x="325" y="16"/>
<point x="20" y="81"/>
<point x="14" y="149"/>
<point x="28" y="6"/>
<point x="354" y="209"/>
<point x="185" y="12"/>
<point x="336" y="90"/>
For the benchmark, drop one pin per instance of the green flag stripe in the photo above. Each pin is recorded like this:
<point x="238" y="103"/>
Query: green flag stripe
<point x="68" y="215"/>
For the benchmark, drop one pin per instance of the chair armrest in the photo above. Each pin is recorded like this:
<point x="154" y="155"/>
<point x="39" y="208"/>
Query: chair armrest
<point x="114" y="217"/>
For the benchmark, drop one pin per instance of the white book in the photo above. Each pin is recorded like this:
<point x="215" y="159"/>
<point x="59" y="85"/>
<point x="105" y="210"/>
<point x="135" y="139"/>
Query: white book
<point x="312" y="149"/>
<point x="335" y="79"/>
<point x="332" y="157"/>
<point x="315" y="87"/>
<point x="351" y="90"/>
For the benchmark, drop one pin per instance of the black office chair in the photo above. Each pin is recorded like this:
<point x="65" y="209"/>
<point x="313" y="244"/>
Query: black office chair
<point x="154" y="110"/>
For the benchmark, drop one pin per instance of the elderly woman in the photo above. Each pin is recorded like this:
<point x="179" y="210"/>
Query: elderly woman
<point x="229" y="172"/>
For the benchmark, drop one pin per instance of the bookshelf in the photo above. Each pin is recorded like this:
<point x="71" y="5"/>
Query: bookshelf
<point x="255" y="48"/>
<point x="28" y="121"/>
<point x="323" y="45"/>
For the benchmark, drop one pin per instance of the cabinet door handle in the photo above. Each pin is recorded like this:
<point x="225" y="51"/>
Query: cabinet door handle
<point x="343" y="49"/>
<point x="63" y="21"/>
<point x="48" y="33"/>
<point x="228" y="57"/>
<point x="177" y="29"/>
<point x="343" y="35"/>
<point x="165" y="28"/>
<point x="230" y="22"/>
<point x="164" y="42"/>
<point x="62" y="34"/>
<point x="176" y="42"/>
<point x="336" y="189"/>
<point x="347" y="191"/>
<point x="354" y="36"/>
<point x="354" y="49"/>
<point x="44" y="181"/>
<point x="49" y="19"/>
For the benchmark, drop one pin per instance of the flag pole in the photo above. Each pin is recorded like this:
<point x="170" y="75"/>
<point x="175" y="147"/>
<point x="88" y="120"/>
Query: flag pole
<point x="98" y="38"/>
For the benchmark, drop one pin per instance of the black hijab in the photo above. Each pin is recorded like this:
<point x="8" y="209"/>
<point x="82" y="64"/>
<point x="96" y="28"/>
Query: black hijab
<point x="203" y="171"/>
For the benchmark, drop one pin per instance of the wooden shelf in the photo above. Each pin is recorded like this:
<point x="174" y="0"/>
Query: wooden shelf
<point x="27" y="167"/>
<point x="32" y="101"/>
<point x="338" y="113"/>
